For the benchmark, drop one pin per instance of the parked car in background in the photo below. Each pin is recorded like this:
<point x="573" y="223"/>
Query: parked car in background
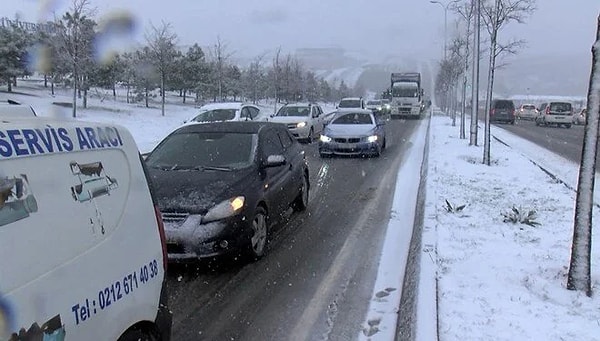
<point x="11" y="108"/>
<point x="579" y="118"/>
<point x="221" y="186"/>
<point x="227" y="111"/>
<point x="304" y="120"/>
<point x="378" y="107"/>
<point x="527" y="112"/>
<point x="353" y="132"/>
<point x="352" y="102"/>
<point x="555" y="113"/>
<point x="502" y="110"/>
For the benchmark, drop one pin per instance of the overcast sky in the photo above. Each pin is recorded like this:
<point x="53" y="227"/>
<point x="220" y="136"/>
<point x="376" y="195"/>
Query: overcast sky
<point x="369" y="27"/>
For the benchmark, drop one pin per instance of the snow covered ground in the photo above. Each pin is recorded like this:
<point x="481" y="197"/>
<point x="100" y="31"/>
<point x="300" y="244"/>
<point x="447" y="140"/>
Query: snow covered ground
<point x="495" y="280"/>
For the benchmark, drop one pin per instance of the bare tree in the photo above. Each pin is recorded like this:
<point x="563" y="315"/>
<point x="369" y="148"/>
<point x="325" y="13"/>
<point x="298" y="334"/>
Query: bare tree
<point x="276" y="78"/>
<point x="220" y="56"/>
<point x="466" y="10"/>
<point x="579" y="269"/>
<point x="495" y="16"/>
<point x="161" y="42"/>
<point x="74" y="42"/>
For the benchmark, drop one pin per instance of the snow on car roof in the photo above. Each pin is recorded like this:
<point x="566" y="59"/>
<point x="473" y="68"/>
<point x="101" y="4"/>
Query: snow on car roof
<point x="222" y="105"/>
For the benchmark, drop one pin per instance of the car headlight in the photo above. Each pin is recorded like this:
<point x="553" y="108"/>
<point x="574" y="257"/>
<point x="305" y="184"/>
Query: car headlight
<point x="325" y="138"/>
<point x="372" y="138"/>
<point x="301" y="125"/>
<point x="226" y="208"/>
<point x="387" y="106"/>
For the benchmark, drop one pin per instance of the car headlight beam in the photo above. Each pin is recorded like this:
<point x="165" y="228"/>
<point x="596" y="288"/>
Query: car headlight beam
<point x="372" y="138"/>
<point x="224" y="209"/>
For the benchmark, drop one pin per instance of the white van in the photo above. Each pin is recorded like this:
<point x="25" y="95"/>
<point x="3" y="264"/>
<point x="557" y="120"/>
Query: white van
<point x="82" y="250"/>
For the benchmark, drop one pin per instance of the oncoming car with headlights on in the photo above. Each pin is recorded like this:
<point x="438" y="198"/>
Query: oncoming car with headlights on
<point x="221" y="186"/>
<point x="304" y="120"/>
<point x="353" y="132"/>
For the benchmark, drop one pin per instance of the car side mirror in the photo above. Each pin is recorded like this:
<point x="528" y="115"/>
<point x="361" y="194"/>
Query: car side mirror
<point x="274" y="161"/>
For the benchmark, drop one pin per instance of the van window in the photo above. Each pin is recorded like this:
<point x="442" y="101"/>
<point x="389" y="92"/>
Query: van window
<point x="560" y="107"/>
<point x="502" y="104"/>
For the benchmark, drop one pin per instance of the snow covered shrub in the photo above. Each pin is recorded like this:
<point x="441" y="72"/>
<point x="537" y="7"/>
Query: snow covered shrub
<point x="519" y="215"/>
<point x="452" y="208"/>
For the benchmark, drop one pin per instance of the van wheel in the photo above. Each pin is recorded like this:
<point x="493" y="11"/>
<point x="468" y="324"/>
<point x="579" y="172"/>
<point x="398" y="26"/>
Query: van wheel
<point x="137" y="335"/>
<point x="257" y="243"/>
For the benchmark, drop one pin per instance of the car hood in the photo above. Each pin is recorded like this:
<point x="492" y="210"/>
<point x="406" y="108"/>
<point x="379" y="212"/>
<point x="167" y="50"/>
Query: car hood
<point x="289" y="119"/>
<point x="349" y="129"/>
<point x="196" y="191"/>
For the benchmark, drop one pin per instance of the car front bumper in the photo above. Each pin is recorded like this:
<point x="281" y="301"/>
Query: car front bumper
<point x="346" y="148"/>
<point x="192" y="239"/>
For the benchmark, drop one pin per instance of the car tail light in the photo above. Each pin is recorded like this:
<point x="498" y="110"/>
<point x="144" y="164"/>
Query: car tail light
<point x="163" y="238"/>
<point x="492" y="112"/>
<point x="547" y="110"/>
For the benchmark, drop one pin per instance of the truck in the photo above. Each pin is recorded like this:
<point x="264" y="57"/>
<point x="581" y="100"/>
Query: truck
<point x="406" y="95"/>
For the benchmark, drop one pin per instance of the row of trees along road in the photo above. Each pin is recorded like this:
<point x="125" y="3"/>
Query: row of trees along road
<point x="495" y="15"/>
<point x="69" y="52"/>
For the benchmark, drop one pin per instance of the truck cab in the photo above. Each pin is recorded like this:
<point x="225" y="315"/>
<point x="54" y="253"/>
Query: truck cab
<point x="406" y="95"/>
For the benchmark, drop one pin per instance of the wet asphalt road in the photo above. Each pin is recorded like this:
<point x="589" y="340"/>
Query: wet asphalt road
<point x="316" y="280"/>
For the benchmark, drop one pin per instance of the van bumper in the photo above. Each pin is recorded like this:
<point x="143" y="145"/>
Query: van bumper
<point x="164" y="317"/>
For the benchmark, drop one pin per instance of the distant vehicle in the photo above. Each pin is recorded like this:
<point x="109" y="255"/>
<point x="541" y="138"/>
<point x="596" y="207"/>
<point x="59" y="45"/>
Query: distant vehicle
<point x="407" y="94"/>
<point x="527" y="112"/>
<point x="221" y="186"/>
<point x="579" y="118"/>
<point x="502" y="110"/>
<point x="353" y="132"/>
<point x="304" y="120"/>
<point x="387" y="108"/>
<point x="14" y="109"/>
<point x="352" y="102"/>
<point x="555" y="113"/>
<point x="228" y="111"/>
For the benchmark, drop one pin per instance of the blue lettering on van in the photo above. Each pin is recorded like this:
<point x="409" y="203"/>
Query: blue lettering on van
<point x="116" y="291"/>
<point x="22" y="142"/>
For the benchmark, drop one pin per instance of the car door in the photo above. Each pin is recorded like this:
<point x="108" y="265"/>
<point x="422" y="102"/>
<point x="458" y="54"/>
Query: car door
<point x="316" y="120"/>
<point x="277" y="179"/>
<point x="293" y="153"/>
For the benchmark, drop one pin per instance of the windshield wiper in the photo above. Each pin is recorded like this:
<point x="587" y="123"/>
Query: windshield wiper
<point x="215" y="168"/>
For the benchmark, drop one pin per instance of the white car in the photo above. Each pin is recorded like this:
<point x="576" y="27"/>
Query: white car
<point x="228" y="111"/>
<point x="304" y="120"/>
<point x="352" y="102"/>
<point x="526" y="112"/>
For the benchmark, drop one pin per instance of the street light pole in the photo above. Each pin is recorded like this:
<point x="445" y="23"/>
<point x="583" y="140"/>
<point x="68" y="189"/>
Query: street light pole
<point x="445" y="8"/>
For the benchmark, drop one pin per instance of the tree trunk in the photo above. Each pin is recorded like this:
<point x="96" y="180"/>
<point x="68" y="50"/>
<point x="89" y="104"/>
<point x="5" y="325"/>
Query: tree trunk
<point x="128" y="89"/>
<point x="15" y="81"/>
<point x="475" y="76"/>
<point x="114" y="89"/>
<point x="45" y="81"/>
<point x="146" y="97"/>
<point x="184" y="95"/>
<point x="579" y="277"/>
<point x="52" y="87"/>
<point x="85" y="93"/>
<point x="9" y="84"/>
<point x="162" y="90"/>
<point x="488" y="101"/>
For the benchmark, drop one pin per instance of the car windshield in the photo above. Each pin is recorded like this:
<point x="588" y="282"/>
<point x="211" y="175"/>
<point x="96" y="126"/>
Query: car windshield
<point x="353" y="118"/>
<point x="528" y="107"/>
<point x="215" y="115"/>
<point x="404" y="91"/>
<point x="560" y="107"/>
<point x="199" y="150"/>
<point x="349" y="103"/>
<point x="373" y="102"/>
<point x="293" y="111"/>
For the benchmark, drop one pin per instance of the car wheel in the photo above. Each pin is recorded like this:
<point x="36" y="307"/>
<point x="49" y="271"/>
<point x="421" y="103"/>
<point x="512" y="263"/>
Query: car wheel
<point x="567" y="126"/>
<point x="137" y="335"/>
<point x="301" y="201"/>
<point x="258" y="240"/>
<point x="384" y="143"/>
<point x="311" y="136"/>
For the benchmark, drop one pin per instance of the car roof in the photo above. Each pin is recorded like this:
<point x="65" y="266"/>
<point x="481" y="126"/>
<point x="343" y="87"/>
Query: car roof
<point x="223" y="105"/>
<point x="300" y="104"/>
<point x="12" y="108"/>
<point x="245" y="127"/>
<point x="353" y="110"/>
<point x="351" y="98"/>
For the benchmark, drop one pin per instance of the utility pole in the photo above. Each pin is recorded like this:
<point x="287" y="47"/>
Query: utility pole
<point x="445" y="7"/>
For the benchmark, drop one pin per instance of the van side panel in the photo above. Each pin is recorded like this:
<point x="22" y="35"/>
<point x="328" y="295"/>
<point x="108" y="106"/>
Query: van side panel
<point x="81" y="254"/>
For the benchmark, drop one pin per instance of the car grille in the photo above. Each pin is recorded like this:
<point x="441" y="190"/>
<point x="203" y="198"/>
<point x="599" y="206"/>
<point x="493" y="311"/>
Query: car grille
<point x="346" y="140"/>
<point x="174" y="218"/>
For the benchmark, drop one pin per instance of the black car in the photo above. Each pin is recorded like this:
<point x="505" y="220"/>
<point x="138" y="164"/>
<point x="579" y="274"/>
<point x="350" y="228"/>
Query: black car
<point x="221" y="186"/>
<point x="502" y="110"/>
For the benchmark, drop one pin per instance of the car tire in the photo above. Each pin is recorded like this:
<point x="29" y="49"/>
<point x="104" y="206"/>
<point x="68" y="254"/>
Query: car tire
<point x="257" y="242"/>
<point x="567" y="126"/>
<point x="138" y="335"/>
<point x="301" y="201"/>
<point x="311" y="135"/>
<point x="384" y="144"/>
